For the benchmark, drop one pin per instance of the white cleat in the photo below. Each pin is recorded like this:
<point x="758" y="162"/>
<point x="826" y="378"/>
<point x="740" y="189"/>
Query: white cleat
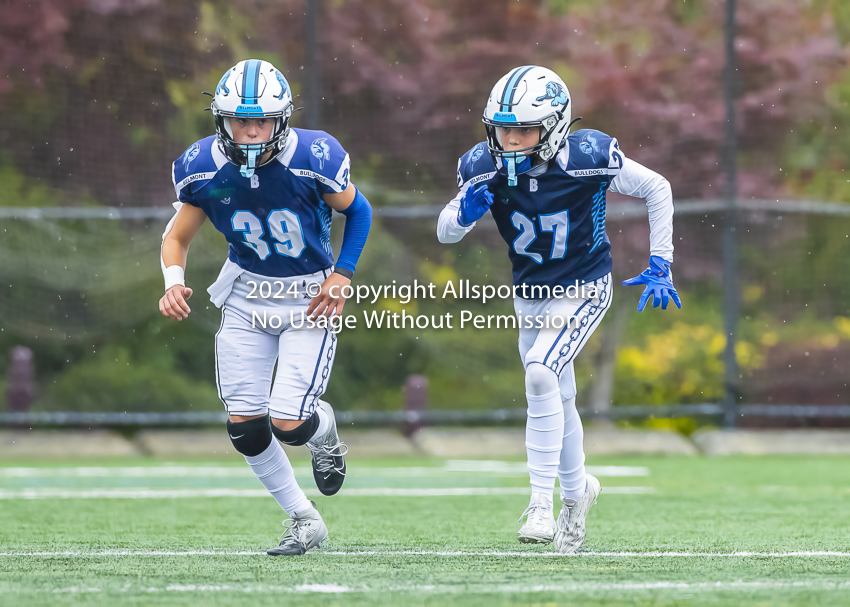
<point x="539" y="527"/>
<point x="304" y="530"/>
<point x="571" y="522"/>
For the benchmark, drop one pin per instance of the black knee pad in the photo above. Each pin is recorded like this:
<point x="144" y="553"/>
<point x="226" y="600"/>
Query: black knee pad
<point x="301" y="434"/>
<point x="252" y="437"/>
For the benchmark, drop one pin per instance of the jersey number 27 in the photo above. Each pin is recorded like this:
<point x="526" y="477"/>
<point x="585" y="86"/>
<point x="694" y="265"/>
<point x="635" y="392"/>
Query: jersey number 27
<point x="284" y="226"/>
<point x="557" y="223"/>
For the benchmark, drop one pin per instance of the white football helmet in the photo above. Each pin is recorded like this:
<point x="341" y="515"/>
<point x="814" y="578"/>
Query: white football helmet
<point x="252" y="89"/>
<point x="528" y="96"/>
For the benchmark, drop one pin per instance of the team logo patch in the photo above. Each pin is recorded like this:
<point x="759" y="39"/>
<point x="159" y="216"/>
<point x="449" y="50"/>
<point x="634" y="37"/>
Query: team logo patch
<point x="589" y="145"/>
<point x="321" y="150"/>
<point x="555" y="92"/>
<point x="475" y="155"/>
<point x="190" y="155"/>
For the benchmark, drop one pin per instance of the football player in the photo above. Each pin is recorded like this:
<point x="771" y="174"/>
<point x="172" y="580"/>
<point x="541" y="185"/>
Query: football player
<point x="271" y="190"/>
<point x="546" y="190"/>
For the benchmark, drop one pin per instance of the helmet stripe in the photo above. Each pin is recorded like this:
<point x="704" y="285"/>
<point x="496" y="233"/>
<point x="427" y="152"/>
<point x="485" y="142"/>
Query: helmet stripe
<point x="250" y="82"/>
<point x="511" y="86"/>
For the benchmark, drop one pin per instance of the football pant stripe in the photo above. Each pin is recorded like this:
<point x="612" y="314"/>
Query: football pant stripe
<point x="315" y="372"/>
<point x="217" y="375"/>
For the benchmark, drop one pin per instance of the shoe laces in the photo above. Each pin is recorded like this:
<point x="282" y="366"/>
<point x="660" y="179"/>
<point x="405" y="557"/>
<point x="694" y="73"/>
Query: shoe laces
<point x="535" y="513"/>
<point x="291" y="532"/>
<point x="326" y="453"/>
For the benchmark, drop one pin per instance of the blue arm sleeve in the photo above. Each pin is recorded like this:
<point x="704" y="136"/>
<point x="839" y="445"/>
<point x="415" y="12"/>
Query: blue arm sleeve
<point x="358" y="220"/>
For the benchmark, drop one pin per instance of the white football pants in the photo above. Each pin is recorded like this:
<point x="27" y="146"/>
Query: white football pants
<point x="260" y="326"/>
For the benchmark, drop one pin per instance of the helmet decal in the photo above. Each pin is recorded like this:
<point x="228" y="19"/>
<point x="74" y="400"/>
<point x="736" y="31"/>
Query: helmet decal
<point x="555" y="92"/>
<point x="283" y="85"/>
<point x="222" y="84"/>
<point x="321" y="150"/>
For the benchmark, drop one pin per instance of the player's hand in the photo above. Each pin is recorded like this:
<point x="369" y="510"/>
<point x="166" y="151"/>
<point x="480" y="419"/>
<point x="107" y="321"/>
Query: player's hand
<point x="474" y="204"/>
<point x="329" y="301"/>
<point x="173" y="303"/>
<point x="659" y="284"/>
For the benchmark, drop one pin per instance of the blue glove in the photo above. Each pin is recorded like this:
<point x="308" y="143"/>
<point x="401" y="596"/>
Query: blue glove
<point x="659" y="284"/>
<point x="474" y="204"/>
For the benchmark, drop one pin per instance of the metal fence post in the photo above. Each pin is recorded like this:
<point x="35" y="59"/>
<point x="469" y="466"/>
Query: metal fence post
<point x="415" y="402"/>
<point x="312" y="83"/>
<point x="730" y="237"/>
<point x="21" y="390"/>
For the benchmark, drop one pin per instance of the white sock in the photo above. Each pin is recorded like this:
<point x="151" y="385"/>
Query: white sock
<point x="273" y="469"/>
<point x="324" y="423"/>
<point x="571" y="473"/>
<point x="543" y="429"/>
<point x="543" y="440"/>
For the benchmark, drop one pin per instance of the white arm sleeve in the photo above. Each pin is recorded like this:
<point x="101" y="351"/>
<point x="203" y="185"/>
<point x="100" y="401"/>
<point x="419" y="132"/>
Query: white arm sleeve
<point x="168" y="274"/>
<point x="634" y="179"/>
<point x="448" y="229"/>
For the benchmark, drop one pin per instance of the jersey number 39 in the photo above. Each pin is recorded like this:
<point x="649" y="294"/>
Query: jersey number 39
<point x="557" y="223"/>
<point x="284" y="226"/>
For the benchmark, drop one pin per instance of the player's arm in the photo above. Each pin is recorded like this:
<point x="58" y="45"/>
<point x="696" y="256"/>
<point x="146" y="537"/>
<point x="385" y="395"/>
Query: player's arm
<point x="175" y="249"/>
<point x="449" y="228"/>
<point x="634" y="179"/>
<point x="358" y="219"/>
<point x="471" y="203"/>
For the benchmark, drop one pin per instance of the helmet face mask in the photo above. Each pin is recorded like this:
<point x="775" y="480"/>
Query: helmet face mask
<point x="250" y="156"/>
<point x="252" y="89"/>
<point x="529" y="96"/>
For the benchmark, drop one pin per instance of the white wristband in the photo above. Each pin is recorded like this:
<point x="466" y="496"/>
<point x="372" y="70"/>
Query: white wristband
<point x="173" y="276"/>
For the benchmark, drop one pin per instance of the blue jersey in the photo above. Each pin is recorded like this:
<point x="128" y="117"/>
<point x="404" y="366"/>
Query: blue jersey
<point x="554" y="223"/>
<point x="276" y="221"/>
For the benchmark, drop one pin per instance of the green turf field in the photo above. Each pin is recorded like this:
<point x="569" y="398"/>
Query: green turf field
<point x="668" y="531"/>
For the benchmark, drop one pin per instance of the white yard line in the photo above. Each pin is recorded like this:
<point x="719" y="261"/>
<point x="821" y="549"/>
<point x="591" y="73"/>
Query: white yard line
<point x="438" y="553"/>
<point x="494" y="468"/>
<point x="576" y="587"/>
<point x="520" y="468"/>
<point x="130" y="472"/>
<point x="146" y="493"/>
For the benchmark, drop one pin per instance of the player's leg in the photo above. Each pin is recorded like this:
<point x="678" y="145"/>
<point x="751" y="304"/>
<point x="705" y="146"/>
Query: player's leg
<point x="299" y="416"/>
<point x="579" y="490"/>
<point x="571" y="472"/>
<point x="245" y="360"/>
<point x="542" y="434"/>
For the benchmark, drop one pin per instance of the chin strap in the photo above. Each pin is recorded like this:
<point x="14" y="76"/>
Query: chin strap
<point x="247" y="170"/>
<point x="510" y="163"/>
<point x="513" y="167"/>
